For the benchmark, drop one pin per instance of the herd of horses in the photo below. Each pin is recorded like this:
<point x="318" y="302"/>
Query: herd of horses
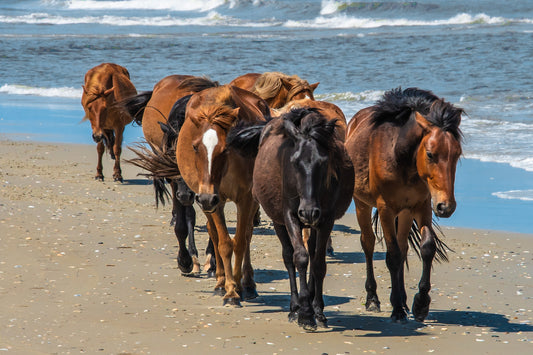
<point x="263" y="140"/>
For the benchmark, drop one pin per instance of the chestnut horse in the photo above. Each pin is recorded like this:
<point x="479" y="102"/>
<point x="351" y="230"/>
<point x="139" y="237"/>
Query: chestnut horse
<point x="157" y="107"/>
<point x="105" y="85"/>
<point x="405" y="150"/>
<point x="276" y="88"/>
<point x="218" y="175"/>
<point x="303" y="178"/>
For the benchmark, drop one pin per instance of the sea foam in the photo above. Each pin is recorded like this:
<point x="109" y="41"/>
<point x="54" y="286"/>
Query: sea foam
<point x="67" y="92"/>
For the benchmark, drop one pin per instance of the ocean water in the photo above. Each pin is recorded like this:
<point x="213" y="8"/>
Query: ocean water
<point x="476" y="54"/>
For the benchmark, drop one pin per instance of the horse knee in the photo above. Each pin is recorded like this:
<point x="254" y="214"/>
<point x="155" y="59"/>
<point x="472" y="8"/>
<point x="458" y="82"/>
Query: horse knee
<point x="301" y="258"/>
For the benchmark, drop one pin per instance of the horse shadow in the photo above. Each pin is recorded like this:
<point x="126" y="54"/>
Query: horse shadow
<point x="137" y="182"/>
<point x="353" y="257"/>
<point x="495" y="322"/>
<point x="345" y="229"/>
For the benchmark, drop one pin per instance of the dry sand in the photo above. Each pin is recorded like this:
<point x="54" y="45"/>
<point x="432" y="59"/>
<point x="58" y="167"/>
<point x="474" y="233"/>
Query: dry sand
<point x="89" y="267"/>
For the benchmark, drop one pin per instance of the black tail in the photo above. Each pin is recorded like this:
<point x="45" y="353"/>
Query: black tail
<point x="415" y="239"/>
<point x="135" y="105"/>
<point x="160" y="164"/>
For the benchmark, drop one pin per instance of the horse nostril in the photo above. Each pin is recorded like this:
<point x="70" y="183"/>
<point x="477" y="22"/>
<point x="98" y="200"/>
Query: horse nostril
<point x="315" y="214"/>
<point x="215" y="200"/>
<point x="441" y="207"/>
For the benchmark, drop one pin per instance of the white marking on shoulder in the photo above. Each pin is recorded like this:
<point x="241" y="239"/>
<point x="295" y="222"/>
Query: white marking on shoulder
<point x="210" y="141"/>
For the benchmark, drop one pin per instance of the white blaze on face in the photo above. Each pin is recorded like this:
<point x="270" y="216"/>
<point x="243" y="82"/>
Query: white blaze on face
<point x="210" y="141"/>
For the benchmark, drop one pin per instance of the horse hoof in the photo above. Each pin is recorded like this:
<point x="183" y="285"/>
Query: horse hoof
<point x="185" y="267"/>
<point x="118" y="179"/>
<point x="308" y="326"/>
<point x="232" y="302"/>
<point x="373" y="306"/>
<point x="249" y="293"/>
<point x="219" y="291"/>
<point x="99" y="178"/>
<point x="399" y="317"/>
<point x="322" y="321"/>
<point x="293" y="316"/>
<point x="211" y="274"/>
<point x="421" y="307"/>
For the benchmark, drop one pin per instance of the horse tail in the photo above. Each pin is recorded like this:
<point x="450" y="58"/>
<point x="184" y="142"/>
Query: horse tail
<point x="135" y="105"/>
<point x="245" y="139"/>
<point x="441" y="247"/>
<point x="415" y="238"/>
<point x="160" y="166"/>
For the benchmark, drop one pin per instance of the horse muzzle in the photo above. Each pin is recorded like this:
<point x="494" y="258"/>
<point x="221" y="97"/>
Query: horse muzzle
<point x="186" y="198"/>
<point x="444" y="209"/>
<point x="309" y="216"/>
<point x="208" y="202"/>
<point x="97" y="138"/>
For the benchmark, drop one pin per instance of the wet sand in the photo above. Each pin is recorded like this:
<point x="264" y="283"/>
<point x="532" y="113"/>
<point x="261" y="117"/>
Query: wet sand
<point x="89" y="267"/>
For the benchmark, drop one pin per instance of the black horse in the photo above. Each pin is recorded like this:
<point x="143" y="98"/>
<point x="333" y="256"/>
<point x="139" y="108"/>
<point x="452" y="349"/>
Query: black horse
<point x="303" y="178"/>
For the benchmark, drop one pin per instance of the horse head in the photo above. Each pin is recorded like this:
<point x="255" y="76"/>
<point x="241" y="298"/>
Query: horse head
<point x="202" y="154"/>
<point x="183" y="193"/>
<point x="96" y="104"/>
<point x="308" y="167"/>
<point x="438" y="153"/>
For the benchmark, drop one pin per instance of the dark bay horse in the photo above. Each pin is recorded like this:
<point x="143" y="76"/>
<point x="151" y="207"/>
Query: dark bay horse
<point x="276" y="88"/>
<point x="303" y="178"/>
<point x="105" y="85"/>
<point x="405" y="150"/>
<point x="331" y="112"/>
<point x="151" y="110"/>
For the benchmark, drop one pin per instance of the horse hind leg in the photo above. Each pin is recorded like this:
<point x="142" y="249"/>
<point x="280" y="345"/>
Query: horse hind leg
<point x="368" y="241"/>
<point x="190" y="220"/>
<point x="243" y="237"/>
<point x="210" y="260"/>
<point x="184" y="259"/>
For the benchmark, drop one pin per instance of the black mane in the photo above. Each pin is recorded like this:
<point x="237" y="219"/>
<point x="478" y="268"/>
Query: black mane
<point x="398" y="105"/>
<point x="312" y="124"/>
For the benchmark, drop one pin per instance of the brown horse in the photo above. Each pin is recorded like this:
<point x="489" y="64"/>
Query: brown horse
<point x="157" y="107"/>
<point x="276" y="88"/>
<point x="217" y="174"/>
<point x="405" y="151"/>
<point x="303" y="179"/>
<point x="105" y="85"/>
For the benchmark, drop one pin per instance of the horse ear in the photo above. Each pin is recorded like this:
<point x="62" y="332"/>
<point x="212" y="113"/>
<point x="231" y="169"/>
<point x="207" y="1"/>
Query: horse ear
<point x="109" y="91"/>
<point x="252" y="107"/>
<point x="422" y="121"/>
<point x="314" y="86"/>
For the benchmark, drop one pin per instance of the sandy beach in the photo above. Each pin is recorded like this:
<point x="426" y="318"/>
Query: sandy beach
<point x="89" y="267"/>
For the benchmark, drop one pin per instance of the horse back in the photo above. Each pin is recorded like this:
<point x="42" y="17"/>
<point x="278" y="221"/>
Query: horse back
<point x="246" y="81"/>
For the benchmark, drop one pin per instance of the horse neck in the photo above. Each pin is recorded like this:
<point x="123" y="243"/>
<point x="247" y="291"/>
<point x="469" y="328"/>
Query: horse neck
<point x="406" y="144"/>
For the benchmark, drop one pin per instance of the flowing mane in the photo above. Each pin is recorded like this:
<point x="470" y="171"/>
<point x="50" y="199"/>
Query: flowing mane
<point x="269" y="84"/>
<point x="311" y="124"/>
<point x="398" y="105"/>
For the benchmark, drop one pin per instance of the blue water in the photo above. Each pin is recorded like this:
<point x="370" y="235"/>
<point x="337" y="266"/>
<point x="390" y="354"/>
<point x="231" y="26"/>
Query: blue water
<point x="476" y="54"/>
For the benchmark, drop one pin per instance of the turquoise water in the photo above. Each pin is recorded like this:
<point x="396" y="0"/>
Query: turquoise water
<point x="476" y="54"/>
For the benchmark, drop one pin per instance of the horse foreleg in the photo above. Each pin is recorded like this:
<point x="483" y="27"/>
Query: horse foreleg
<point x="185" y="262"/>
<point x="318" y="270"/>
<point x="243" y="236"/>
<point x="117" y="149"/>
<point x="306" y="317"/>
<point x="368" y="241"/>
<point x="225" y="250"/>
<point x="287" y="252"/>
<point x="220" y="289"/>
<point x="428" y="248"/>
<point x="394" y="262"/>
<point x="405" y="221"/>
<point x="210" y="259"/>
<point x="190" y="220"/>
<point x="100" y="149"/>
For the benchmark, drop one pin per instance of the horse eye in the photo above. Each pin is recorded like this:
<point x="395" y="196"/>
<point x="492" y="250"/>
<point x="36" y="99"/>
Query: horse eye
<point x="195" y="147"/>
<point x="429" y="155"/>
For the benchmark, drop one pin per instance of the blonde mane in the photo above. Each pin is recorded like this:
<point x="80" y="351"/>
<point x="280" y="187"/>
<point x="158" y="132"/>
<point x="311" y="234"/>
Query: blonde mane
<point x="269" y="84"/>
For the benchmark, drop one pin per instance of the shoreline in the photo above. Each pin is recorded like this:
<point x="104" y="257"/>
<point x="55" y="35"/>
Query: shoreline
<point x="89" y="267"/>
